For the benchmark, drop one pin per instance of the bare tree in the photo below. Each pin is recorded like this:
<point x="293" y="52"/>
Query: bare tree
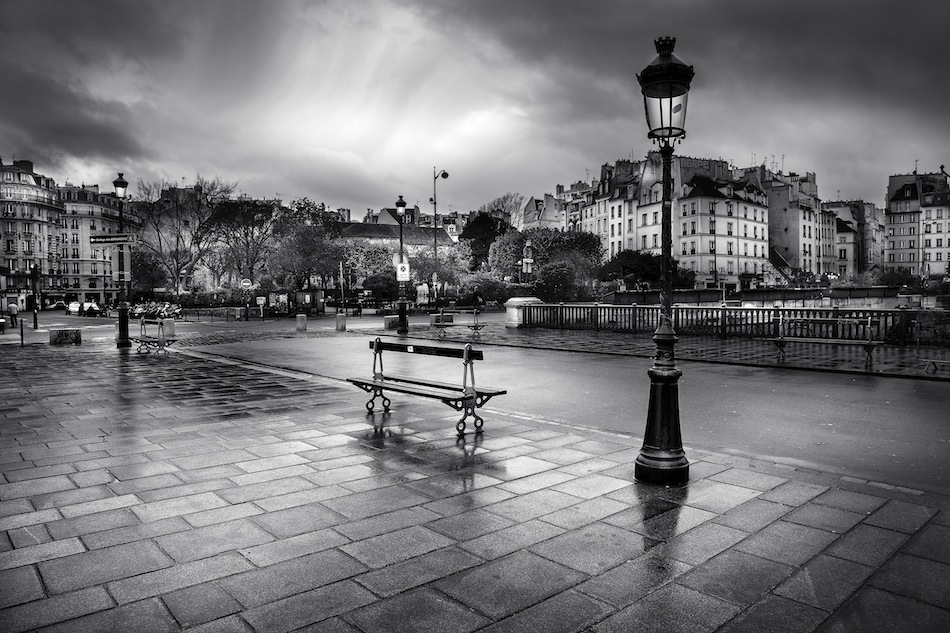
<point x="178" y="223"/>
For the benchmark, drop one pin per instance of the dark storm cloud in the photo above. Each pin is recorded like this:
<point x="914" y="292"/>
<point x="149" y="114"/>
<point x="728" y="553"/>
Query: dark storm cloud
<point x="807" y="51"/>
<point x="53" y="119"/>
<point x="94" y="32"/>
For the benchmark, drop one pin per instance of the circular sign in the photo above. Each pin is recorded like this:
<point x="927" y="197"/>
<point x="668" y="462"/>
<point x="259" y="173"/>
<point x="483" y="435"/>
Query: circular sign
<point x="246" y="284"/>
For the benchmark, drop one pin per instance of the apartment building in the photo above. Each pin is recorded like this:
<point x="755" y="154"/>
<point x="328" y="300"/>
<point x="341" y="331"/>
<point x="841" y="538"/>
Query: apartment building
<point x="89" y="272"/>
<point x="917" y="223"/>
<point x="30" y="209"/>
<point x="859" y="236"/>
<point x="724" y="233"/>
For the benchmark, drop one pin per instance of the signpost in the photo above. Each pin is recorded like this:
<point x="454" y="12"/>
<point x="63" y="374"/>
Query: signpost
<point x="114" y="239"/>
<point x="402" y="272"/>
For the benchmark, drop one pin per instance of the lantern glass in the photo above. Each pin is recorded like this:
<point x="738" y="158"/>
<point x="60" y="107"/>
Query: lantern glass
<point x="666" y="114"/>
<point x="120" y="184"/>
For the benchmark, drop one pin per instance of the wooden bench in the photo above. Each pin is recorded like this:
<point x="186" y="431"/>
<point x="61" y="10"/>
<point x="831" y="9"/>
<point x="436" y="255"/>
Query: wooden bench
<point x="446" y="318"/>
<point x="465" y="397"/>
<point x="146" y="343"/>
<point x="803" y="330"/>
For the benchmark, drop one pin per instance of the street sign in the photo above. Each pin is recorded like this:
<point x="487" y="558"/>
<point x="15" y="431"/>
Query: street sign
<point x="402" y="272"/>
<point x="261" y="300"/>
<point x="246" y="284"/>
<point x="114" y="239"/>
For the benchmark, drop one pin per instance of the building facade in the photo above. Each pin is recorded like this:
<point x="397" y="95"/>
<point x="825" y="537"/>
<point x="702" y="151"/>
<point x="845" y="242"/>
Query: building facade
<point x="89" y="271"/>
<point x="917" y="223"/>
<point x="31" y="212"/>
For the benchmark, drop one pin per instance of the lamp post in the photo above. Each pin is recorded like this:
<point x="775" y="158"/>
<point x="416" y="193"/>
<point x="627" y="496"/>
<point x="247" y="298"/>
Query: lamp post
<point x="435" y="232"/>
<point x="34" y="287"/>
<point x="122" y="340"/>
<point x="402" y="327"/>
<point x="665" y="87"/>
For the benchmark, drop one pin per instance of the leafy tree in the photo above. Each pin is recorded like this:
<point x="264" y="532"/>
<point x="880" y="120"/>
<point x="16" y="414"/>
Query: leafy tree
<point x="384" y="286"/>
<point x="177" y="224"/>
<point x="479" y="234"/>
<point x="306" y="212"/>
<point x="642" y="269"/>
<point x="246" y="229"/>
<point x="304" y="254"/>
<point x="508" y="204"/>
<point x="146" y="271"/>
<point x="362" y="258"/>
<point x="557" y="281"/>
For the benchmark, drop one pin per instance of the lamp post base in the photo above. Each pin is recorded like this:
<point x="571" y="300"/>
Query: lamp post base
<point x="662" y="460"/>
<point x="402" y="327"/>
<point x="122" y="340"/>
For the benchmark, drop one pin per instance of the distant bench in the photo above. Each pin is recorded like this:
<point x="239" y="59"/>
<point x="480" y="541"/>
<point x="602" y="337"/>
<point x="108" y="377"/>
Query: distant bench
<point x="445" y="318"/>
<point x="146" y="343"/>
<point x="465" y="397"/>
<point x="807" y="330"/>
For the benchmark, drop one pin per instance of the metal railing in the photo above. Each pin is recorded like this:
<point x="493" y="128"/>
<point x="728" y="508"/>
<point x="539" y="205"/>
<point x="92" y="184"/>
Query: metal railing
<point x="892" y="326"/>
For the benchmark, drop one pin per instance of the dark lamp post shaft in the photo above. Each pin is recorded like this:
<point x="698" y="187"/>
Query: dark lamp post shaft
<point x="122" y="339"/>
<point x="665" y="84"/>
<point x="402" y="327"/>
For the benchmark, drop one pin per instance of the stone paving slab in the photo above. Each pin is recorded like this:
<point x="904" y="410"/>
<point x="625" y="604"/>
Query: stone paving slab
<point x="185" y="493"/>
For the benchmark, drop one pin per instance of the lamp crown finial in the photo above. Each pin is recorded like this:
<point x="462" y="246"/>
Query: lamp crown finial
<point x="665" y="44"/>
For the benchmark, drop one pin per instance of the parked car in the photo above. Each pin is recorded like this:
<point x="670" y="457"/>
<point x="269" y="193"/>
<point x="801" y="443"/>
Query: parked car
<point x="89" y="308"/>
<point x="57" y="305"/>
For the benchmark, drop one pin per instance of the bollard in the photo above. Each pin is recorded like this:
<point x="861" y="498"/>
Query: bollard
<point x="301" y="322"/>
<point x="341" y="322"/>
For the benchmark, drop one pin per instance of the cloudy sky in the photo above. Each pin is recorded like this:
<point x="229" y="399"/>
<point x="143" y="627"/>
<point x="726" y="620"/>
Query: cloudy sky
<point x="353" y="102"/>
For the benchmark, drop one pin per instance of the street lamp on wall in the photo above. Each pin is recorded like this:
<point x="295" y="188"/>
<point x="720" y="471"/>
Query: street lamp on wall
<point x="122" y="340"/>
<point x="402" y="327"/>
<point x="665" y="87"/>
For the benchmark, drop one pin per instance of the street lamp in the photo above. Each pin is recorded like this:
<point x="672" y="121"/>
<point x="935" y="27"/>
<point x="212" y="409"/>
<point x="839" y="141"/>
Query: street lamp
<point x="665" y="87"/>
<point x="402" y="327"/>
<point x="123" y="340"/>
<point x="435" y="232"/>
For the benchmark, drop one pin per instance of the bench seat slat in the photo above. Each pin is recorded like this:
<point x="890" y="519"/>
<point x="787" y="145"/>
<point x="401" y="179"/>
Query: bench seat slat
<point x="443" y="385"/>
<point x="413" y="388"/>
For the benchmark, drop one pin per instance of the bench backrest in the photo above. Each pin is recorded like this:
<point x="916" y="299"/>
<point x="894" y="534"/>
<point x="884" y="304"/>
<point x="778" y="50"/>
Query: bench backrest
<point x="448" y="352"/>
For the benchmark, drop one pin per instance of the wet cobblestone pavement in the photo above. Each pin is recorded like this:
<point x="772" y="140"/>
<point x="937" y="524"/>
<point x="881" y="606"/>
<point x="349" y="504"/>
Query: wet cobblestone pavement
<point x="164" y="493"/>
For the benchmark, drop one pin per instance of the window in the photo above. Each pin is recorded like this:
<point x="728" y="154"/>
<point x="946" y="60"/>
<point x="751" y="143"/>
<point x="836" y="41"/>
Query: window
<point x="655" y="239"/>
<point x="692" y="228"/>
<point x="692" y="248"/>
<point x="684" y="248"/>
<point x="728" y="228"/>
<point x="643" y="220"/>
<point x="692" y="208"/>
<point x="684" y="209"/>
<point x="643" y="241"/>
<point x="729" y="248"/>
<point x="712" y="208"/>
<point x="712" y="246"/>
<point x="712" y="227"/>
<point x="684" y="228"/>
<point x="729" y="209"/>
